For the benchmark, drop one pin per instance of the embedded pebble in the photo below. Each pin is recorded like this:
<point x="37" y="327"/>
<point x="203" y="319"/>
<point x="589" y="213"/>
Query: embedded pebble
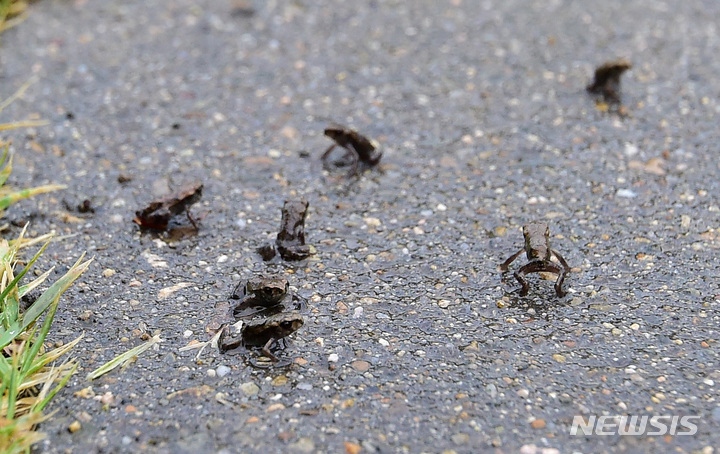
<point x="303" y="445"/>
<point x="223" y="371"/>
<point x="538" y="424"/>
<point x="533" y="449"/>
<point x="372" y="222"/>
<point x="250" y="388"/>
<point x="360" y="366"/>
<point x="626" y="193"/>
<point x="333" y="358"/>
<point x="74" y="427"/>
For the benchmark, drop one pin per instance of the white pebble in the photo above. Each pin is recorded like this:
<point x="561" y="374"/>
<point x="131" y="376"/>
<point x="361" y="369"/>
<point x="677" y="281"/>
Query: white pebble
<point x="384" y="343"/>
<point x="223" y="371"/>
<point x="333" y="358"/>
<point x="187" y="333"/>
<point x="630" y="149"/>
<point x="626" y="193"/>
<point x="441" y="207"/>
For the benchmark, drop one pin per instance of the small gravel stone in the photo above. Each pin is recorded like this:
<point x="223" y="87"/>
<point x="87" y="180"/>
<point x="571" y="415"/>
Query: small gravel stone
<point x="538" y="424"/>
<point x="460" y="438"/>
<point x="304" y="386"/>
<point x="492" y="390"/>
<point x="303" y="445"/>
<point x="223" y="371"/>
<point x="360" y="366"/>
<point x="626" y="193"/>
<point x="372" y="222"/>
<point x="249" y="388"/>
<point x="74" y="427"/>
<point x="352" y="448"/>
<point x="275" y="407"/>
<point x="333" y="357"/>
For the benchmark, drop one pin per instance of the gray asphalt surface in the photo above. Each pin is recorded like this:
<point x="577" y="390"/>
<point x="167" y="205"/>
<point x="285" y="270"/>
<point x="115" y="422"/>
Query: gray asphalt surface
<point x="412" y="342"/>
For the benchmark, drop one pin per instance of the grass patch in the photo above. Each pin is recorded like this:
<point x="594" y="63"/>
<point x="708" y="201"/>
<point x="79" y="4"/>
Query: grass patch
<point x="29" y="375"/>
<point x="12" y="12"/>
<point x="28" y="381"/>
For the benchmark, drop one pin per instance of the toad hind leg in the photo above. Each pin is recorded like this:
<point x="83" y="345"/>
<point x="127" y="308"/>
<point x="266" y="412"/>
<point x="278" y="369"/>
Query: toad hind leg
<point x="561" y="260"/>
<point x="536" y="267"/>
<point x="266" y="350"/>
<point x="561" y="274"/>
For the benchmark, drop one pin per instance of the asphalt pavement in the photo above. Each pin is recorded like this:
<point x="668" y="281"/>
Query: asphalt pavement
<point x="412" y="340"/>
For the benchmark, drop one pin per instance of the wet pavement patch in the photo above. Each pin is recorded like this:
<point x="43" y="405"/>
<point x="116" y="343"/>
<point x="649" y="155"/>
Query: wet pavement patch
<point x="411" y="339"/>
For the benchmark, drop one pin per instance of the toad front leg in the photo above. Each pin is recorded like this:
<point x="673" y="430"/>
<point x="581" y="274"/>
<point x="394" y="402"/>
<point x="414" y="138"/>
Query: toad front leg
<point x="537" y="267"/>
<point x="350" y="151"/>
<point x="506" y="263"/>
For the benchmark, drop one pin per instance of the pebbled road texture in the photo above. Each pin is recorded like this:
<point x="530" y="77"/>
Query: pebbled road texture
<point x="412" y="341"/>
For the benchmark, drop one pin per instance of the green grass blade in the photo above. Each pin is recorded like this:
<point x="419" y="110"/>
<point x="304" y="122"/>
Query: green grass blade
<point x="27" y="288"/>
<point x="51" y="356"/>
<point x="5" y="173"/>
<point x="13" y="284"/>
<point x="10" y="312"/>
<point x="22" y="124"/>
<point x="50" y="295"/>
<point x="12" y="389"/>
<point x="9" y="199"/>
<point x="37" y="341"/>
<point x="123" y="358"/>
<point x="41" y="405"/>
<point x="21" y="91"/>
